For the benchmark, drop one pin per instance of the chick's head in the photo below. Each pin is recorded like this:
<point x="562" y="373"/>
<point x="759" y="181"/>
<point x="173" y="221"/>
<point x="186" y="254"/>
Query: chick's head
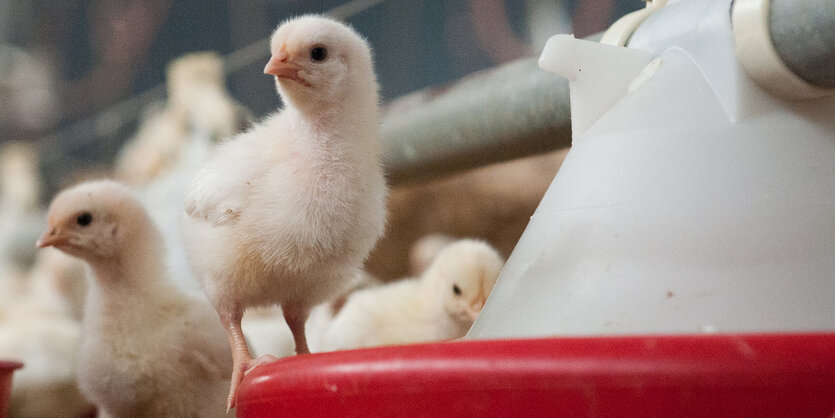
<point x="318" y="61"/>
<point x="91" y="221"/>
<point x="188" y="75"/>
<point x="464" y="273"/>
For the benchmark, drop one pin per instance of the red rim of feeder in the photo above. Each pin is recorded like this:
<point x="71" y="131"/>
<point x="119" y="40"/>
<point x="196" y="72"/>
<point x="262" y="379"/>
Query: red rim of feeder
<point x="10" y="365"/>
<point x="704" y="375"/>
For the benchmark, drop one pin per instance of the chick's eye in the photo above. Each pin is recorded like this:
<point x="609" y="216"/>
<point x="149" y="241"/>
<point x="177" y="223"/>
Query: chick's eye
<point x="456" y="289"/>
<point x="318" y="53"/>
<point x="84" y="219"/>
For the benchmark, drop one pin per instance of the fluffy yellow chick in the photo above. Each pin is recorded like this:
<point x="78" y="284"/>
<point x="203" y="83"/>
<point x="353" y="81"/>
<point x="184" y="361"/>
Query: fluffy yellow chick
<point x="440" y="305"/>
<point x="146" y="349"/>
<point x="287" y="212"/>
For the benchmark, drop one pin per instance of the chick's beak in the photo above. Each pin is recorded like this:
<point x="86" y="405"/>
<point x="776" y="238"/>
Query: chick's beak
<point x="279" y="66"/>
<point x="51" y="237"/>
<point x="475" y="309"/>
<point x="277" y="62"/>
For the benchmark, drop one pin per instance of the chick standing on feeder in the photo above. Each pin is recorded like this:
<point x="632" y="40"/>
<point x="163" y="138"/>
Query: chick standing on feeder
<point x="146" y="349"/>
<point x="441" y="305"/>
<point x="287" y="212"/>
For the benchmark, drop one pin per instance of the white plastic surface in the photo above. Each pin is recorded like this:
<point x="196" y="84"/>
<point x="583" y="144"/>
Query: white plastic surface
<point x="696" y="202"/>
<point x="588" y="66"/>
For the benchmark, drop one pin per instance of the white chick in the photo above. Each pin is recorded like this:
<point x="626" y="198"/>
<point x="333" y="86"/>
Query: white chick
<point x="287" y="212"/>
<point x="146" y="349"/>
<point x="440" y="305"/>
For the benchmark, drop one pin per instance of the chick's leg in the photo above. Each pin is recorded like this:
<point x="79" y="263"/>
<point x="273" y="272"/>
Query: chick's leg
<point x="231" y="321"/>
<point x="296" y="319"/>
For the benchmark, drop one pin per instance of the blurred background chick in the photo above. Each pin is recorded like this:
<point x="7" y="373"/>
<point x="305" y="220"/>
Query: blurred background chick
<point x="41" y="327"/>
<point x="198" y="105"/>
<point x="440" y="305"/>
<point x="20" y="215"/>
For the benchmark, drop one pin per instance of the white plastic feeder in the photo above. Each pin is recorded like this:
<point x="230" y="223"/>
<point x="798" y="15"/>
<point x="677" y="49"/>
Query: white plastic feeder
<point x="692" y="199"/>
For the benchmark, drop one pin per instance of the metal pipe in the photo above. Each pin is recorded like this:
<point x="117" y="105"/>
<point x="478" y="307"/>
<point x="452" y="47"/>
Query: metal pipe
<point x="495" y="115"/>
<point x="518" y="110"/>
<point x="803" y="33"/>
<point x="787" y="46"/>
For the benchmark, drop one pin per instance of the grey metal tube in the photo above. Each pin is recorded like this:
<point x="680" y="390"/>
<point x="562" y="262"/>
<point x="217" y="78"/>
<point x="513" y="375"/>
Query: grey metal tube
<point x="803" y="33"/>
<point x="500" y="114"/>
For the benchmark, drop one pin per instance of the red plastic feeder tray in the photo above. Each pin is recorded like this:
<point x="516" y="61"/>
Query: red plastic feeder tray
<point x="640" y="376"/>
<point x="7" y="368"/>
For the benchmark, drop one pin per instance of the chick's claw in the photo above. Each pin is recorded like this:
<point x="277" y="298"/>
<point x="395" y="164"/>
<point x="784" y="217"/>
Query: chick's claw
<point x="260" y="361"/>
<point x="242" y="367"/>
<point x="238" y="372"/>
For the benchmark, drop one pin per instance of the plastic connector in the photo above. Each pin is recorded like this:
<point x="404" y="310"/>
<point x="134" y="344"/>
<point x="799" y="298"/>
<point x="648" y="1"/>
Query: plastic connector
<point x="620" y="31"/>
